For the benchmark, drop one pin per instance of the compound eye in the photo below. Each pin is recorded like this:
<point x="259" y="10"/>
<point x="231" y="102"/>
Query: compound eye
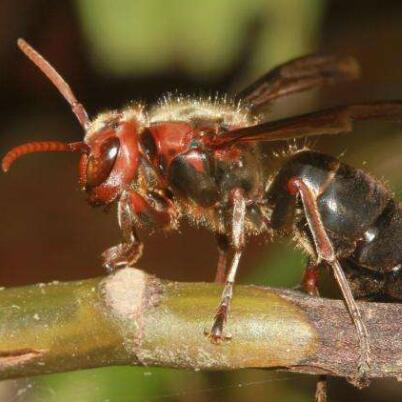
<point x="100" y="166"/>
<point x="148" y="144"/>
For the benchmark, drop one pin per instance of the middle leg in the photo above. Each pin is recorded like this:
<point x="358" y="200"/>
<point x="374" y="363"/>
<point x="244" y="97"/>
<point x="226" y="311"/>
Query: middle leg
<point x="223" y="244"/>
<point x="238" y="213"/>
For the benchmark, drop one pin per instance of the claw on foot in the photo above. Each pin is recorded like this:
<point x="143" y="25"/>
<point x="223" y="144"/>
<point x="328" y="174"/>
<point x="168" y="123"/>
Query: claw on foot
<point x="363" y="367"/>
<point x="361" y="380"/>
<point x="122" y="255"/>
<point x="216" y="334"/>
<point x="217" y="338"/>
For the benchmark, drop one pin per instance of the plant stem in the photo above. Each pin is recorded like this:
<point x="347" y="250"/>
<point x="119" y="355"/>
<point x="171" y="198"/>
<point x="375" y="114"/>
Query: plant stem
<point x="134" y="318"/>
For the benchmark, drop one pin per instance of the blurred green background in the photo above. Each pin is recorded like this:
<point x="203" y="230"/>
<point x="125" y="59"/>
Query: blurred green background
<point x="113" y="52"/>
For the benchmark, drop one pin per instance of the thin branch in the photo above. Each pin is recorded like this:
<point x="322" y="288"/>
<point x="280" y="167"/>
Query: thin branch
<point x="134" y="318"/>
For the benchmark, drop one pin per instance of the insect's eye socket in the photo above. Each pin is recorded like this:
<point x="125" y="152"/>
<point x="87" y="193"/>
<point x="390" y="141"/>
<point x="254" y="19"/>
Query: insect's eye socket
<point x="148" y="144"/>
<point x="100" y="166"/>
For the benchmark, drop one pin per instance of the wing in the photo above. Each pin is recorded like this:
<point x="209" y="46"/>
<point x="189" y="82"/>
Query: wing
<point x="299" y="75"/>
<point x="330" y="121"/>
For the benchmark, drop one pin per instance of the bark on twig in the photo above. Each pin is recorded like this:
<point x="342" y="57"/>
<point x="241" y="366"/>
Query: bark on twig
<point x="133" y="318"/>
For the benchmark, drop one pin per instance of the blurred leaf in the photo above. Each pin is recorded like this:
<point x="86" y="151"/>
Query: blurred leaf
<point x="111" y="384"/>
<point x="283" y="268"/>
<point x="200" y="37"/>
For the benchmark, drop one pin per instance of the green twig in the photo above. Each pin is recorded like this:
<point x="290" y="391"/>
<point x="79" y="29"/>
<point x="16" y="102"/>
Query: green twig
<point x="133" y="318"/>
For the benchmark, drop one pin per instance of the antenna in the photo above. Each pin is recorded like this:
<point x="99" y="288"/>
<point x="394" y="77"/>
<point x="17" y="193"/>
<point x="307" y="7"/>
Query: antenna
<point x="40" y="146"/>
<point x="57" y="80"/>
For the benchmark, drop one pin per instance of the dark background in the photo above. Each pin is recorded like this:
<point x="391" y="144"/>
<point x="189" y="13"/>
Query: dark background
<point x="114" y="52"/>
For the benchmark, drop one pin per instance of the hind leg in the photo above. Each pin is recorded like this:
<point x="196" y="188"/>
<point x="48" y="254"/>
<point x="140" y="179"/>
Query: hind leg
<point x="326" y="253"/>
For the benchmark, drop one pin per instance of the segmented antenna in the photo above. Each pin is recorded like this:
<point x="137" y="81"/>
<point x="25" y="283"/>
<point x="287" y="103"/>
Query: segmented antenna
<point x="57" y="80"/>
<point x="40" y="146"/>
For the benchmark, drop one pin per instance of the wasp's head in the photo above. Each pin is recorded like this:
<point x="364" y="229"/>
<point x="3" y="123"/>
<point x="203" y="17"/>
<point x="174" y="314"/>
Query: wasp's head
<point x="110" y="156"/>
<point x="109" y="150"/>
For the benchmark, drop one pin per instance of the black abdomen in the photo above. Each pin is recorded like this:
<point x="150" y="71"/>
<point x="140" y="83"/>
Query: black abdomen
<point x="381" y="249"/>
<point x="359" y="214"/>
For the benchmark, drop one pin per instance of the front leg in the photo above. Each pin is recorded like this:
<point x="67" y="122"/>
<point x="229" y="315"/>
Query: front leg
<point x="129" y="251"/>
<point x="238" y="213"/>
